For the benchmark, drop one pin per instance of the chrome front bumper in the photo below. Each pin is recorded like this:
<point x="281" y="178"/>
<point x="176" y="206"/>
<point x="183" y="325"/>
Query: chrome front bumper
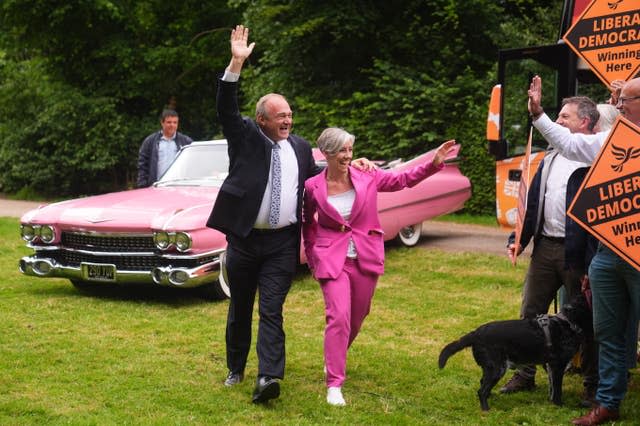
<point x="166" y="276"/>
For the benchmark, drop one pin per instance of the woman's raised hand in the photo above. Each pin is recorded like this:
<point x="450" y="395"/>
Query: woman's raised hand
<point x="442" y="152"/>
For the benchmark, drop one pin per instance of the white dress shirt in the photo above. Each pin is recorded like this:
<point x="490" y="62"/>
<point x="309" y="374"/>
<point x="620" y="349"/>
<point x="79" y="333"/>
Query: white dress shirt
<point x="574" y="146"/>
<point x="555" y="195"/>
<point x="289" y="189"/>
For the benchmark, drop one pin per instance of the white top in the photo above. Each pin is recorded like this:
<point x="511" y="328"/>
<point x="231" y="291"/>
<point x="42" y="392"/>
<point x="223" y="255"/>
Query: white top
<point x="343" y="203"/>
<point x="555" y="195"/>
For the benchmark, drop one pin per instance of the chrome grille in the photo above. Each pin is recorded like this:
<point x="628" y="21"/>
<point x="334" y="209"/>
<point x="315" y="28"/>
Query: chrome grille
<point x="123" y="263"/>
<point x="108" y="242"/>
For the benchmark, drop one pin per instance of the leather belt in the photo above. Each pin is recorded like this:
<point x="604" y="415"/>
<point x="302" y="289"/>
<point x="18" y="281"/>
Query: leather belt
<point x="559" y="240"/>
<point x="262" y="231"/>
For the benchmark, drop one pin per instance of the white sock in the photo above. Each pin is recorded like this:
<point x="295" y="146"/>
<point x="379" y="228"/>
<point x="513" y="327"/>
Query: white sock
<point x="334" y="396"/>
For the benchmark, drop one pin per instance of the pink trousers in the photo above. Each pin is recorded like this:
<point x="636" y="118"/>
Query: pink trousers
<point x="347" y="300"/>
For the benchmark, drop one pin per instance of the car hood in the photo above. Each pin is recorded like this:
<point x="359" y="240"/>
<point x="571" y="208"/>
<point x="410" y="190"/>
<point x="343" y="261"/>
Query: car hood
<point x="171" y="208"/>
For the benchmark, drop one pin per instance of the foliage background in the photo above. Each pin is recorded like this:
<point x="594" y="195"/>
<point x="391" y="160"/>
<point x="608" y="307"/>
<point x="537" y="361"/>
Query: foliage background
<point x="82" y="82"/>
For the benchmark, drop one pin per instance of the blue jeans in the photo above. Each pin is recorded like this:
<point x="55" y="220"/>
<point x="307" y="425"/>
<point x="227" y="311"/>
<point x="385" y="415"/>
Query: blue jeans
<point x="615" y="286"/>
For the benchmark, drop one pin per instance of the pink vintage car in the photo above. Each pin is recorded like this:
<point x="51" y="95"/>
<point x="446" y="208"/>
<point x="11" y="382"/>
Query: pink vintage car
<point x="157" y="235"/>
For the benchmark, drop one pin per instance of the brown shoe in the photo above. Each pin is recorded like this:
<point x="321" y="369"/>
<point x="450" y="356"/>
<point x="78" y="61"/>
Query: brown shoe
<point x="518" y="383"/>
<point x="596" y="416"/>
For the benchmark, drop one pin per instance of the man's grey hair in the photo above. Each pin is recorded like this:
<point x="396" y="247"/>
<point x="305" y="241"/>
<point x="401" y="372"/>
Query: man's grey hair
<point x="586" y="109"/>
<point x="332" y="139"/>
<point x="261" y="108"/>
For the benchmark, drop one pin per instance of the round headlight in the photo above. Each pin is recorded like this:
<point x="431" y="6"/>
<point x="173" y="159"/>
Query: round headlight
<point x="42" y="267"/>
<point x="47" y="234"/>
<point x="161" y="240"/>
<point x="178" y="277"/>
<point x="27" y="232"/>
<point x="183" y="241"/>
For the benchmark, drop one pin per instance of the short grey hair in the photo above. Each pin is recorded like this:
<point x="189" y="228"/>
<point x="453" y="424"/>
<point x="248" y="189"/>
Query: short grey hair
<point x="261" y="108"/>
<point x="332" y="139"/>
<point x="586" y="109"/>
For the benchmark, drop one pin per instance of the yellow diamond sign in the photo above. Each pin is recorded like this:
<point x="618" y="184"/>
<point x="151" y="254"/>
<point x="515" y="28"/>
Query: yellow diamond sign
<point x="608" y="202"/>
<point x="607" y="37"/>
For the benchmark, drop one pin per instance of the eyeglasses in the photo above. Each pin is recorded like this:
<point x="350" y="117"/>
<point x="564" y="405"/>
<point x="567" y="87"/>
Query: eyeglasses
<point x="622" y="100"/>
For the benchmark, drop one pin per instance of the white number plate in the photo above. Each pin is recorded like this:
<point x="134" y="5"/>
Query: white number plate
<point x="98" y="272"/>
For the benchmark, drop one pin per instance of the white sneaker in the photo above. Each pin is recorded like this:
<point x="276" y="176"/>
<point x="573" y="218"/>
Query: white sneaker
<point x="334" y="397"/>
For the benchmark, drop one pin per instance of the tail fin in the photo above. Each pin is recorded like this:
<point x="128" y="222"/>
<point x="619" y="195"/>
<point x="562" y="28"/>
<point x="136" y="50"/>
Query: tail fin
<point x="453" y="348"/>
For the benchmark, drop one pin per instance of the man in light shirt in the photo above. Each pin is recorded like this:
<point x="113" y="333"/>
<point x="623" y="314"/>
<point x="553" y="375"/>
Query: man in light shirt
<point x="159" y="149"/>
<point x="615" y="284"/>
<point x="562" y="249"/>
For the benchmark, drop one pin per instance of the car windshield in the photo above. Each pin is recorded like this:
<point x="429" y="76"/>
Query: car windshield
<point x="198" y="164"/>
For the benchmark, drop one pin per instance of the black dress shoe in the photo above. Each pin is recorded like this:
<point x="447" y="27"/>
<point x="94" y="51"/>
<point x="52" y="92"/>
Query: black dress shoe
<point x="233" y="378"/>
<point x="266" y="388"/>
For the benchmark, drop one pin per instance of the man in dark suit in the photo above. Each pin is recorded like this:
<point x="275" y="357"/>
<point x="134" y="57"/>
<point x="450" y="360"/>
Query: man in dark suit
<point x="258" y="207"/>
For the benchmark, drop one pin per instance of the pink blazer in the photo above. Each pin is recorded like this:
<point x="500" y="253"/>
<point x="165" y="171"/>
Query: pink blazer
<point x="326" y="234"/>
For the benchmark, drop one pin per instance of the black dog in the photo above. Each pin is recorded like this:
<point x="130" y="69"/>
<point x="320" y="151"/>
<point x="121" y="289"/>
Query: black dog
<point x="550" y="340"/>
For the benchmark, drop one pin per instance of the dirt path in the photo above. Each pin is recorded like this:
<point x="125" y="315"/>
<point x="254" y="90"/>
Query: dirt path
<point x="464" y="238"/>
<point x="16" y="208"/>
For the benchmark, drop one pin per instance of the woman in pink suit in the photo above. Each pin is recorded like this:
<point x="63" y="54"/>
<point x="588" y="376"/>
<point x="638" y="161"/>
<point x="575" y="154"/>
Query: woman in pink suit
<point x="344" y="242"/>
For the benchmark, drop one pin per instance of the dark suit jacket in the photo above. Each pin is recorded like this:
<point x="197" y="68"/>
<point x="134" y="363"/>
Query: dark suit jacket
<point x="236" y="207"/>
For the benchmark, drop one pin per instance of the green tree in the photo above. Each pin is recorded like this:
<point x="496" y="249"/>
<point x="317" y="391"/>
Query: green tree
<point x="402" y="76"/>
<point x="57" y="139"/>
<point x="108" y="65"/>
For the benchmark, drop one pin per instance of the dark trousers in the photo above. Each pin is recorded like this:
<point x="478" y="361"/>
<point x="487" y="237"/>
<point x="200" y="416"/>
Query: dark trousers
<point x="544" y="278"/>
<point x="264" y="262"/>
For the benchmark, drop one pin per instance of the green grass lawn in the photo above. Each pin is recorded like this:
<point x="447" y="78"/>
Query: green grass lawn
<point x="468" y="219"/>
<point x="125" y="356"/>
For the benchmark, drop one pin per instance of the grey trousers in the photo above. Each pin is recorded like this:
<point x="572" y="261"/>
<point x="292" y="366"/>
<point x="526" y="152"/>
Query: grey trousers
<point x="544" y="278"/>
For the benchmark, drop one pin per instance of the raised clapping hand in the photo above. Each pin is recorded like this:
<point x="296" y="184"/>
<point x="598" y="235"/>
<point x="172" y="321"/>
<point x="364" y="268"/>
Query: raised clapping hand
<point x="442" y="152"/>
<point x="240" y="51"/>
<point x="615" y="89"/>
<point x="535" y="97"/>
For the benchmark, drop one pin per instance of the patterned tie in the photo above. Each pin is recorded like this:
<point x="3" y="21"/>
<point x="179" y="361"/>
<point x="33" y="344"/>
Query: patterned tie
<point x="276" y="187"/>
